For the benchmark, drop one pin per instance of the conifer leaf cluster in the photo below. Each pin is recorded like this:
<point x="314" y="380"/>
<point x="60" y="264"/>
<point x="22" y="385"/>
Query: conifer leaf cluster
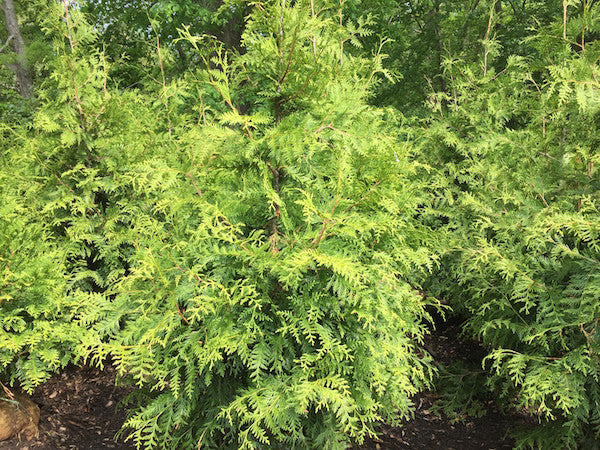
<point x="517" y="149"/>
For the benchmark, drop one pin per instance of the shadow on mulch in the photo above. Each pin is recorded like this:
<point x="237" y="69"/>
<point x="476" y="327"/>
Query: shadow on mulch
<point x="428" y="430"/>
<point x="78" y="411"/>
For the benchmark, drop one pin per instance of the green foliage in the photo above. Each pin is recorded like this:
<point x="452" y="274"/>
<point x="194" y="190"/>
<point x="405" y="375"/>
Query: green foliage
<point x="518" y="149"/>
<point x="421" y="34"/>
<point x="461" y="391"/>
<point x="131" y="32"/>
<point x="50" y="224"/>
<point x="268" y="298"/>
<point x="245" y="235"/>
<point x="36" y="335"/>
<point x="251" y="264"/>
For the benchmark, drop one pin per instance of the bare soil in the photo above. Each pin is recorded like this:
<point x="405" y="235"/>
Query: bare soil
<point x="77" y="411"/>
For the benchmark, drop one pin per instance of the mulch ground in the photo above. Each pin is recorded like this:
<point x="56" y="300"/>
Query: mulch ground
<point x="432" y="432"/>
<point x="78" y="411"/>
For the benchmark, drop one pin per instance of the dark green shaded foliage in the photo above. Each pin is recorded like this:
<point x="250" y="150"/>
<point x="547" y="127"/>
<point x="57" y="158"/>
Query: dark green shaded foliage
<point x="131" y="31"/>
<point x="423" y="34"/>
<point x="461" y="392"/>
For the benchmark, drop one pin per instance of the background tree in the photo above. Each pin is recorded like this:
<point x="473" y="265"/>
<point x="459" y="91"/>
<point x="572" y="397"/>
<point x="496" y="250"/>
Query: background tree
<point x="20" y="65"/>
<point x="424" y="34"/>
<point x="132" y="31"/>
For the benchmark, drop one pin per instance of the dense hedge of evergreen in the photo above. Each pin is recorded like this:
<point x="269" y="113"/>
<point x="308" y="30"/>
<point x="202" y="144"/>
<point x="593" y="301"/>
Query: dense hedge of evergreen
<point x="254" y="225"/>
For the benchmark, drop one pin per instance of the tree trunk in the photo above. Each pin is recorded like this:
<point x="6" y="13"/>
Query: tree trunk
<point x="19" y="68"/>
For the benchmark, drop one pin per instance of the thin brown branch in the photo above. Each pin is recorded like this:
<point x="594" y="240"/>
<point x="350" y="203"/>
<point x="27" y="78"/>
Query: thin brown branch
<point x="324" y="127"/>
<point x="191" y="177"/>
<point x="326" y="222"/>
<point x="80" y="109"/>
<point x="364" y="196"/>
<point x="301" y="90"/>
<point x="329" y="221"/>
<point x="319" y="238"/>
<point x="68" y="21"/>
<point x="314" y="38"/>
<point x="564" y="19"/>
<point x="487" y="40"/>
<point x="287" y="68"/>
<point x="273" y="233"/>
<point x="180" y="312"/>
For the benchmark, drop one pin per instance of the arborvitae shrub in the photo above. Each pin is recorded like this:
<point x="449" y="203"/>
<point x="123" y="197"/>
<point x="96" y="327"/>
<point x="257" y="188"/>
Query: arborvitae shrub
<point x="519" y="152"/>
<point x="240" y="242"/>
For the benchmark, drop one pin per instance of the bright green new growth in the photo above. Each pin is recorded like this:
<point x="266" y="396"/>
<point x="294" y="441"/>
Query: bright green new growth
<point x="268" y="298"/>
<point x="35" y="333"/>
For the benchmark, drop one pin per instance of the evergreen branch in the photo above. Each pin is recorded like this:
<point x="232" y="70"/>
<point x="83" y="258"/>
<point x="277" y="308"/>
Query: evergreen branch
<point x="273" y="233"/>
<point x="163" y="82"/>
<point x="68" y="22"/>
<point x="91" y="209"/>
<point x="190" y="175"/>
<point x="301" y="90"/>
<point x="80" y="109"/>
<point x="364" y="196"/>
<point x="232" y="107"/>
<point x="195" y="275"/>
<point x="287" y="68"/>
<point x="328" y="221"/>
